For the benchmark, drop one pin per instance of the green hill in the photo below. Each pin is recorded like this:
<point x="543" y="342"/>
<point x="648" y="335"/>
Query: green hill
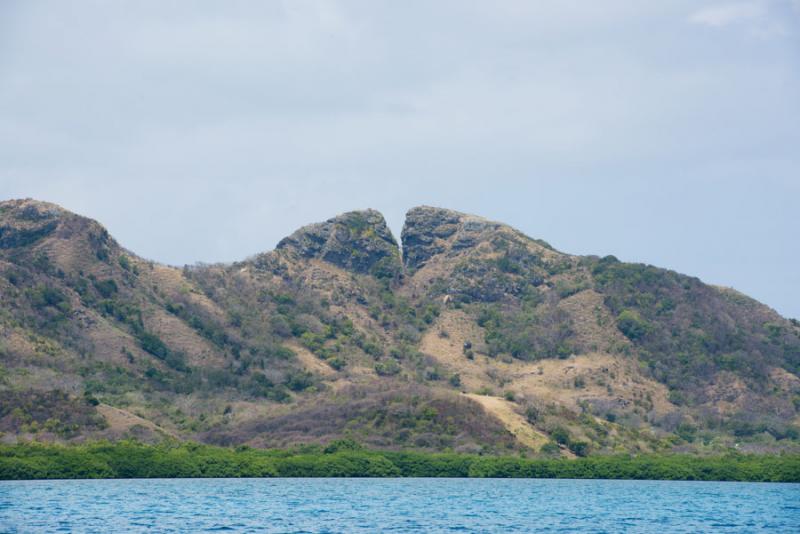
<point x="472" y="337"/>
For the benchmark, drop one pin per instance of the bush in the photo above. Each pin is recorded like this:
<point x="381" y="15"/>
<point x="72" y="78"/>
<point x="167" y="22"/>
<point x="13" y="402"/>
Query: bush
<point x="340" y="445"/>
<point x="579" y="448"/>
<point x="388" y="367"/>
<point x="632" y="325"/>
<point x="258" y="385"/>
<point x="550" y="448"/>
<point x="106" y="288"/>
<point x="686" y="432"/>
<point x="299" y="380"/>
<point x="152" y="343"/>
<point x="560" y="435"/>
<point x="531" y="414"/>
<point x="124" y="262"/>
<point x="43" y="296"/>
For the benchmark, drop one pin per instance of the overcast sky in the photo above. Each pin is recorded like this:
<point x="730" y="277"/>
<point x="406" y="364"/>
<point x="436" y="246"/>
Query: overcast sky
<point x="662" y="132"/>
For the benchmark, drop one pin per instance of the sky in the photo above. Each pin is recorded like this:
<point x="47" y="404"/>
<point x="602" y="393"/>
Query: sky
<point x="661" y="132"/>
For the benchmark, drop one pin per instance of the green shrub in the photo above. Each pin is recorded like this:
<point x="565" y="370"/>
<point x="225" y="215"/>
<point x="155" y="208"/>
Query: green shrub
<point x="153" y="344"/>
<point x="686" y="432"/>
<point x="388" y="367"/>
<point x="531" y="414"/>
<point x="560" y="435"/>
<point x="550" y="448"/>
<point x="124" y="262"/>
<point x="299" y="380"/>
<point x="43" y="296"/>
<point x="632" y="325"/>
<point x="579" y="448"/>
<point x="106" y="288"/>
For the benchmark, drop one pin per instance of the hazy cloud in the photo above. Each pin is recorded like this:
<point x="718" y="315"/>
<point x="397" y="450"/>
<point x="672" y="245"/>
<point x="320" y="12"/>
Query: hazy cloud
<point x="725" y="14"/>
<point x="209" y="130"/>
<point x="761" y="18"/>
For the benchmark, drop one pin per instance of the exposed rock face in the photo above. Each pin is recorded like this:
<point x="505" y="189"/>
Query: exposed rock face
<point x="24" y="222"/>
<point x="424" y="233"/>
<point x="430" y="231"/>
<point x="359" y="241"/>
<point x="470" y="258"/>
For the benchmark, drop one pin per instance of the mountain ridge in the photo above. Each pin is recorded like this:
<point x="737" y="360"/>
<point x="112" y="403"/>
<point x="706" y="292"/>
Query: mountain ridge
<point x="466" y="334"/>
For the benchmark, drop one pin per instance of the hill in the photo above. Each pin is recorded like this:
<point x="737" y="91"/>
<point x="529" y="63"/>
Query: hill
<point x="470" y="337"/>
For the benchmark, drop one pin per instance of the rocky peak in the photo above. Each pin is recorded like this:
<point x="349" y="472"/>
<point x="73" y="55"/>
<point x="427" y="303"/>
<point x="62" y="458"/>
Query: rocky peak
<point x="359" y="241"/>
<point x="29" y="227"/>
<point x="430" y="231"/>
<point x="25" y="222"/>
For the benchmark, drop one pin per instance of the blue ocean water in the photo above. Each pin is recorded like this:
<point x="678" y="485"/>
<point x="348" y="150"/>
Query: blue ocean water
<point x="397" y="505"/>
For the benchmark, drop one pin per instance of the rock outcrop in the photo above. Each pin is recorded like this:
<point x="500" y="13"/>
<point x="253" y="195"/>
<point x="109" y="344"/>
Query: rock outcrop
<point x="24" y="222"/>
<point x="431" y="231"/>
<point x="358" y="241"/>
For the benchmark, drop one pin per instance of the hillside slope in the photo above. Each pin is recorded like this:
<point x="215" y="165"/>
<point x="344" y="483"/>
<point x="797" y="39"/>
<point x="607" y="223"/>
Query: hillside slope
<point x="474" y="338"/>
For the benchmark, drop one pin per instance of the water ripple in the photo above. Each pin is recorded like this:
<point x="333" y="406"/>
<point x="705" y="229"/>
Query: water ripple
<point x="396" y="505"/>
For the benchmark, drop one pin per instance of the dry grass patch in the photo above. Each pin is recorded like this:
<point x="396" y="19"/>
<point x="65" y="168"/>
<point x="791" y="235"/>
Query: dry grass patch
<point x="311" y="362"/>
<point x="504" y="411"/>
<point x="179" y="336"/>
<point x="122" y="421"/>
<point x="593" y="323"/>
<point x="444" y="341"/>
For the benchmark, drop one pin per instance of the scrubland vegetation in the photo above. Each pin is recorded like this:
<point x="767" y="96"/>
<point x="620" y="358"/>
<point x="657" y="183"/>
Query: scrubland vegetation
<point x="468" y="339"/>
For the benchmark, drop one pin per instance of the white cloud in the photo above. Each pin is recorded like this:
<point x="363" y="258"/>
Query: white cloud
<point x="727" y="14"/>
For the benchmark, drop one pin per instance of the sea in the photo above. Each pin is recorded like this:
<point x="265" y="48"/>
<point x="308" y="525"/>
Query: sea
<point x="356" y="505"/>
